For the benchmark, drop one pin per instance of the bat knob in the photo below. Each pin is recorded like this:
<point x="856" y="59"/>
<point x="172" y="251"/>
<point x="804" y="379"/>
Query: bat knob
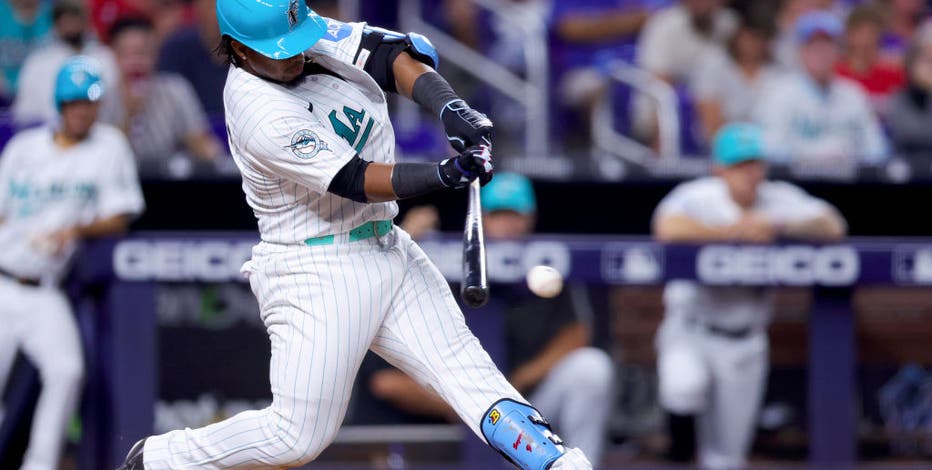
<point x="475" y="296"/>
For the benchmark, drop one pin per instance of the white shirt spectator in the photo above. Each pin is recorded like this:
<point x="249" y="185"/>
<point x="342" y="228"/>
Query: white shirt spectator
<point x="718" y="78"/>
<point x="35" y="99"/>
<point x="708" y="201"/>
<point x="670" y="46"/>
<point x="803" y="121"/>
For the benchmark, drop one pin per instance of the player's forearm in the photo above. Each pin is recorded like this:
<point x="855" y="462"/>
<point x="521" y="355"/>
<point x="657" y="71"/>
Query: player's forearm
<point x="569" y="339"/>
<point x="407" y="70"/>
<point x="826" y="228"/>
<point x="683" y="229"/>
<point x="203" y="145"/>
<point x="596" y="28"/>
<point x="114" y="225"/>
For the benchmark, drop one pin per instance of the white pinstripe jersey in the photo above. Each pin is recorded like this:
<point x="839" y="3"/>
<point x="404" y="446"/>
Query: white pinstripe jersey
<point x="289" y="141"/>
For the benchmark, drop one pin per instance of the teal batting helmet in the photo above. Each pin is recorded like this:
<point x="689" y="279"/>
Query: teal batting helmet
<point x="738" y="142"/>
<point x="78" y="80"/>
<point x="277" y="29"/>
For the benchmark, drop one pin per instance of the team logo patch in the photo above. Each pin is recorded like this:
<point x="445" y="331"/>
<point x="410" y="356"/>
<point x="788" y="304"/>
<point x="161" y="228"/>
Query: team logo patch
<point x="305" y="144"/>
<point x="494" y="416"/>
<point x="293" y="14"/>
<point x="337" y="31"/>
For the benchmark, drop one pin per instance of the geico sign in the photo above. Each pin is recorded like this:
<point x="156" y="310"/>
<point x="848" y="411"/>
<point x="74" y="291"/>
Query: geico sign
<point x="507" y="261"/>
<point x="786" y="265"/>
<point x="138" y="260"/>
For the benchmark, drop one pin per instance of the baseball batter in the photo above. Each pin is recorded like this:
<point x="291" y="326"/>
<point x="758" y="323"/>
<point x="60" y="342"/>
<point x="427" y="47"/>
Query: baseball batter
<point x="712" y="345"/>
<point x="310" y="132"/>
<point x="60" y="184"/>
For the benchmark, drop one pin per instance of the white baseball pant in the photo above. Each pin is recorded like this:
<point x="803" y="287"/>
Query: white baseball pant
<point x="323" y="307"/>
<point x="39" y="321"/>
<point x="719" y="378"/>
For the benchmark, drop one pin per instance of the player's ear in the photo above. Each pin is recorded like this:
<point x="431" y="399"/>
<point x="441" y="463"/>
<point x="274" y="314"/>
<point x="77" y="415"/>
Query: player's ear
<point x="239" y="50"/>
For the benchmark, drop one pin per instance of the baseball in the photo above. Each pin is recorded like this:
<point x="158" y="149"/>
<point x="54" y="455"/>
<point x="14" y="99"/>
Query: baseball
<point x="545" y="281"/>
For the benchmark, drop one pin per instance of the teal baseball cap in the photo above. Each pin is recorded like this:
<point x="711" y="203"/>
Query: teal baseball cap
<point x="277" y="29"/>
<point x="736" y="143"/>
<point x="78" y="80"/>
<point x="509" y="192"/>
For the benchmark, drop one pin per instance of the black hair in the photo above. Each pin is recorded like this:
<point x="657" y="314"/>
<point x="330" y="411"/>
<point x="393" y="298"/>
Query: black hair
<point x="136" y="23"/>
<point x="225" y="49"/>
<point x="67" y="8"/>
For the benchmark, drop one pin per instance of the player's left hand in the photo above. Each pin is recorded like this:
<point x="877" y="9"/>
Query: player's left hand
<point x="471" y="164"/>
<point x="465" y="127"/>
<point x="57" y="242"/>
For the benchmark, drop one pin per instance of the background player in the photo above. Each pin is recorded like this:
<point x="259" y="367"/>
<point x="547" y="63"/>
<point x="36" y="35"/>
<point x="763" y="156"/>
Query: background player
<point x="712" y="344"/>
<point x="310" y="133"/>
<point x="59" y="185"/>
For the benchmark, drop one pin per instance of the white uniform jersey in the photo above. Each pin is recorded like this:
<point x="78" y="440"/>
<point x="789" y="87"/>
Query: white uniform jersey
<point x="800" y="120"/>
<point x="44" y="188"/>
<point x="289" y="141"/>
<point x="707" y="200"/>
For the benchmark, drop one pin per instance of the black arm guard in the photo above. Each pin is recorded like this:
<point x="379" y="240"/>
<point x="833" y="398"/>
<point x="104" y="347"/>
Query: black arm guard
<point x="416" y="179"/>
<point x="350" y="181"/>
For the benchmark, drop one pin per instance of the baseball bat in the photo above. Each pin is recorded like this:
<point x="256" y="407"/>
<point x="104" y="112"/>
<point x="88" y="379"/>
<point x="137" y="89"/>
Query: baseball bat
<point x="475" y="286"/>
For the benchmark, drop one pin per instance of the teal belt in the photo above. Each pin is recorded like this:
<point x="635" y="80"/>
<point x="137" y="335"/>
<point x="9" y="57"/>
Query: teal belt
<point x="363" y="232"/>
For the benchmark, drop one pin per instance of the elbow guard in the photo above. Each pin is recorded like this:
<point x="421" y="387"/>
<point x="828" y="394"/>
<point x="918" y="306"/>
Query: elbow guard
<point x="380" y="47"/>
<point x="521" y="434"/>
<point x="350" y="181"/>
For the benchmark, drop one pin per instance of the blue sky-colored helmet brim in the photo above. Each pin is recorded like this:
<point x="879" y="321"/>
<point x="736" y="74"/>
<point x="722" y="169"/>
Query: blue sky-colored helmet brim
<point x="294" y="42"/>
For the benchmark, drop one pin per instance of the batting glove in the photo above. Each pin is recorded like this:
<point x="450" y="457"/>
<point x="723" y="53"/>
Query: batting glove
<point x="465" y="127"/>
<point x="473" y="163"/>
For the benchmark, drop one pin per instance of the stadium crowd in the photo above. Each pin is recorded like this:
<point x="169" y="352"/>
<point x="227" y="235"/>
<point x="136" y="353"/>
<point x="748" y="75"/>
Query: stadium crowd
<point x="830" y="81"/>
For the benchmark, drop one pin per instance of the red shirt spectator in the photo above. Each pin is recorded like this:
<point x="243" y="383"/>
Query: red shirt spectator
<point x="882" y="79"/>
<point x="862" y="61"/>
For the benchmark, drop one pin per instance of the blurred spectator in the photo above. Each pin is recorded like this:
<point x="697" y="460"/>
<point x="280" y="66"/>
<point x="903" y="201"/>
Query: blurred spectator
<point x="812" y="114"/>
<point x="166" y="15"/>
<point x="548" y="340"/>
<point x="911" y="110"/>
<point x="160" y="113"/>
<point x="862" y="61"/>
<point x="60" y="184"/>
<point x="786" y="46"/>
<point x="728" y="85"/>
<point x="903" y="19"/>
<point x="712" y="348"/>
<point x="24" y="26"/>
<point x="583" y="34"/>
<point x="671" y="45"/>
<point x="189" y="52"/>
<point x="462" y="20"/>
<point x="674" y="39"/>
<point x="331" y="9"/>
<point x="34" y="101"/>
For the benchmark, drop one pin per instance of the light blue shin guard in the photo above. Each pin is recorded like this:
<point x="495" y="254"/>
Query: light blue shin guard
<point x="521" y="434"/>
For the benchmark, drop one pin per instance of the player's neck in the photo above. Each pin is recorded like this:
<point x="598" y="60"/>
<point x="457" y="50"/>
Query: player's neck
<point x="67" y="140"/>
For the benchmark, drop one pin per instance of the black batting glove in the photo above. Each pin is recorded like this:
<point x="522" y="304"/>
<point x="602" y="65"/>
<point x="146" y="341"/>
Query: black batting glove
<point x="465" y="127"/>
<point x="473" y="163"/>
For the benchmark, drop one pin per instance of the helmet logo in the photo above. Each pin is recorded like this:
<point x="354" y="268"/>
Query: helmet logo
<point x="293" y="14"/>
<point x="78" y="77"/>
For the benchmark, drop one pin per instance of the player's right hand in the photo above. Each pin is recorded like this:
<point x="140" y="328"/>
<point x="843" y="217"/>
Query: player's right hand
<point x="473" y="163"/>
<point x="755" y="228"/>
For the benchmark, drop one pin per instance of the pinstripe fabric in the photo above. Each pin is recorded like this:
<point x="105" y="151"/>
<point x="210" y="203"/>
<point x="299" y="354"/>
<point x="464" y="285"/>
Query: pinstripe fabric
<point x="325" y="306"/>
<point x="287" y="189"/>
